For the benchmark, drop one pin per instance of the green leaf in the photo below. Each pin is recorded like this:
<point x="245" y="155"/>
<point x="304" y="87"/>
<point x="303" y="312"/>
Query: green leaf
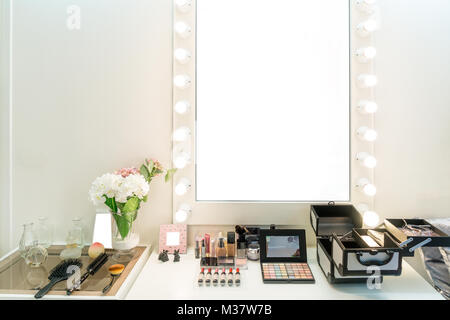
<point x="145" y="172"/>
<point x="169" y="174"/>
<point x="130" y="216"/>
<point x="145" y="198"/>
<point x="122" y="224"/>
<point x="131" y="205"/>
<point x="150" y="167"/>
<point x="111" y="203"/>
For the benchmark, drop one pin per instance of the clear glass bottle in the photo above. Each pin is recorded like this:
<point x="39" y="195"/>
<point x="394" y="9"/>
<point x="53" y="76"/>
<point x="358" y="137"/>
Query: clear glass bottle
<point x="75" y="237"/>
<point x="44" y="232"/>
<point x="30" y="250"/>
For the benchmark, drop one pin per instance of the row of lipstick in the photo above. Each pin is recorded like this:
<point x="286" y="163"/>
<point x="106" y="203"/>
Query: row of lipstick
<point x="215" y="279"/>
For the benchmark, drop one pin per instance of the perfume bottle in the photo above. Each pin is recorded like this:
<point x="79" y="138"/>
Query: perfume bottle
<point x="44" y="233"/>
<point x="75" y="237"/>
<point x="30" y="250"/>
<point x="241" y="257"/>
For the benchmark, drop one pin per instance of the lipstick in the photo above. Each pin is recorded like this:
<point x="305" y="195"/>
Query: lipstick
<point x="223" y="277"/>
<point x="201" y="277"/>
<point x="215" y="280"/>
<point x="230" y="277"/>
<point x="237" y="278"/>
<point x="208" y="278"/>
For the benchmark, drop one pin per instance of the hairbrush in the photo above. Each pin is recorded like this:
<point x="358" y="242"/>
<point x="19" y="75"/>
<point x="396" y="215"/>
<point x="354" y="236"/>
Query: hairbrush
<point x="59" y="273"/>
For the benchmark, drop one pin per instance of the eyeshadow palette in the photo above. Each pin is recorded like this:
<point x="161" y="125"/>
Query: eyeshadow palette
<point x="286" y="272"/>
<point x="283" y="257"/>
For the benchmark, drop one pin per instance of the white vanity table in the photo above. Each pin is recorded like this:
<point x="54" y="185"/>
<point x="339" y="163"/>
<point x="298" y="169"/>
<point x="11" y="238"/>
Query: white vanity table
<point x="176" y="281"/>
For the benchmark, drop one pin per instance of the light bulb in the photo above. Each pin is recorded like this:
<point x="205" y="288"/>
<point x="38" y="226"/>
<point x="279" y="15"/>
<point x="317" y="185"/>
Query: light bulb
<point x="371" y="219"/>
<point x="366" y="54"/>
<point x="182" y="29"/>
<point x="367" y="80"/>
<point x="182" y="213"/>
<point x="367" y="107"/>
<point x="366" y="6"/>
<point x="182" y="81"/>
<point x="181" y="159"/>
<point x="365" y="28"/>
<point x="367" y="160"/>
<point x="181" y="134"/>
<point x="183" y="6"/>
<point x="366" y="187"/>
<point x="182" y="186"/>
<point x="367" y="134"/>
<point x="181" y="107"/>
<point x="182" y="55"/>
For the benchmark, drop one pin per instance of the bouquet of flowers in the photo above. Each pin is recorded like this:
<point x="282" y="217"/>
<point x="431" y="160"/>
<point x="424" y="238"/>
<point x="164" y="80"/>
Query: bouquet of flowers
<point x="124" y="190"/>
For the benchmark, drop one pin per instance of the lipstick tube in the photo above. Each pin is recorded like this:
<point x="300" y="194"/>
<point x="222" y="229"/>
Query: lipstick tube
<point x="201" y="276"/>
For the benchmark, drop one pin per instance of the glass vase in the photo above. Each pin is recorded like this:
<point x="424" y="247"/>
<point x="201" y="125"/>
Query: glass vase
<point x="44" y="233"/>
<point x="29" y="249"/>
<point x="75" y="237"/>
<point x="124" y="236"/>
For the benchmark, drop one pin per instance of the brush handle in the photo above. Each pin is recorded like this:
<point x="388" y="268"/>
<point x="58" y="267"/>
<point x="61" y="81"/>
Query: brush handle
<point x="47" y="288"/>
<point x="106" y="289"/>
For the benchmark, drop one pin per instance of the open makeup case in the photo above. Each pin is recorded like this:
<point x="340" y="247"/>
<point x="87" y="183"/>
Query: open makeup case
<point x="347" y="252"/>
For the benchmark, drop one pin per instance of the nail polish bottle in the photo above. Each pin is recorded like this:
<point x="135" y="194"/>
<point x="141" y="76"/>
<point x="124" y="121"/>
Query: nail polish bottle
<point x="230" y="277"/>
<point x="201" y="276"/>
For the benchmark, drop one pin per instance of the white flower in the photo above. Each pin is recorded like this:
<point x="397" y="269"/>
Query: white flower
<point x="106" y="185"/>
<point x="133" y="185"/>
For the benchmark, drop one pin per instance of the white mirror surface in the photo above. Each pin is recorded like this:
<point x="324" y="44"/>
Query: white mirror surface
<point x="273" y="98"/>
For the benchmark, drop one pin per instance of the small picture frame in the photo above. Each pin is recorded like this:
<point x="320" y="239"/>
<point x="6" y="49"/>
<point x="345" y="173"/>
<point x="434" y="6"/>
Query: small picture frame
<point x="173" y="237"/>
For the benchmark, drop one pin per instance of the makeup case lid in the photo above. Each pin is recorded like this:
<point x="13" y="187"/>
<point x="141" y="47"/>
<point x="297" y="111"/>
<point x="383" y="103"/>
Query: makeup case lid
<point x="330" y="219"/>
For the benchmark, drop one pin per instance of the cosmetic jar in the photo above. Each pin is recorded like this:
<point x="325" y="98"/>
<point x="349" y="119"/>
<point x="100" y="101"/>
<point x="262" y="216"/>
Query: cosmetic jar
<point x="253" y="252"/>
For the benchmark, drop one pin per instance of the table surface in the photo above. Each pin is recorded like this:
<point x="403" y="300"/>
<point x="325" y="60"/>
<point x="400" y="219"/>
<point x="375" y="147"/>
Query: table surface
<point x="175" y="281"/>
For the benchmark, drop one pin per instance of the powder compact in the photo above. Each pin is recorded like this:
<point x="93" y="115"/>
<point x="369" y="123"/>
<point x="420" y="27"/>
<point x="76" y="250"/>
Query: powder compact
<point x="283" y="257"/>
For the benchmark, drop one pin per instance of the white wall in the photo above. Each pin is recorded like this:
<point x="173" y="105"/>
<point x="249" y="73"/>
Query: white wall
<point x="413" y="149"/>
<point x="88" y="102"/>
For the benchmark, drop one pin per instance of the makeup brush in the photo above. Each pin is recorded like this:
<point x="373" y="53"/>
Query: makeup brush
<point x="59" y="273"/>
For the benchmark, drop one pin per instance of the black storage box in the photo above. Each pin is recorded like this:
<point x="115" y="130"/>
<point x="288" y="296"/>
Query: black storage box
<point x="413" y="242"/>
<point x="342" y="254"/>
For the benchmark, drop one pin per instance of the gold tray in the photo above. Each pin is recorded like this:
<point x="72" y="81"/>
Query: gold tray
<point x="16" y="277"/>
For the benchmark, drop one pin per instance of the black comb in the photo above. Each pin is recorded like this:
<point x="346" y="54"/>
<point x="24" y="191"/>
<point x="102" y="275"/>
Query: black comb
<point x="59" y="273"/>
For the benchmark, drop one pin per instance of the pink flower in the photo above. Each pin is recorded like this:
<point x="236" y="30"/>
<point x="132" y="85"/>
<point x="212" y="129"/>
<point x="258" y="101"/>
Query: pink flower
<point x="125" y="172"/>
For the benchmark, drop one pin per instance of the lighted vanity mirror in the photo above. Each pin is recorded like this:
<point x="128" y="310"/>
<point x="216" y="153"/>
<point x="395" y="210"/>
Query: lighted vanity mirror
<point x="272" y="100"/>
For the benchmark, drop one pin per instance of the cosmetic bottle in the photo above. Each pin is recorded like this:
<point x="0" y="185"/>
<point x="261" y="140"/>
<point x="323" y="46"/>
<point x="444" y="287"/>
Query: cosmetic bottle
<point x="237" y="278"/>
<point x="197" y="248"/>
<point x="221" y="252"/>
<point x="207" y="244"/>
<point x="231" y="243"/>
<point x="223" y="278"/>
<point x="208" y="278"/>
<point x="230" y="277"/>
<point x="215" y="280"/>
<point x="241" y="257"/>
<point x="201" y="276"/>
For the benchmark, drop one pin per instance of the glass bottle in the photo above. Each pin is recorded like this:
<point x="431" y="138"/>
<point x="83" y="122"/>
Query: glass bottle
<point x="75" y="237"/>
<point x="44" y="233"/>
<point x="30" y="250"/>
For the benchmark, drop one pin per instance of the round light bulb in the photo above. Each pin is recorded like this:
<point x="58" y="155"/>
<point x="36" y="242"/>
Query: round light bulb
<point x="367" y="80"/>
<point x="366" y="6"/>
<point x="365" y="28"/>
<point x="367" y="160"/>
<point x="367" y="134"/>
<point x="367" y="107"/>
<point x="182" y="55"/>
<point x="366" y="187"/>
<point x="366" y="54"/>
<point x="182" y="81"/>
<point x="183" y="6"/>
<point x="182" y="29"/>
<point x="182" y="186"/>
<point x="181" y="159"/>
<point x="182" y="213"/>
<point x="182" y="107"/>
<point x="181" y="134"/>
<point x="371" y="219"/>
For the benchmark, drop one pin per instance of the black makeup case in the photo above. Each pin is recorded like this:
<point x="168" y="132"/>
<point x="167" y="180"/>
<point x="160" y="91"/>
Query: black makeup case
<point x="342" y="254"/>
